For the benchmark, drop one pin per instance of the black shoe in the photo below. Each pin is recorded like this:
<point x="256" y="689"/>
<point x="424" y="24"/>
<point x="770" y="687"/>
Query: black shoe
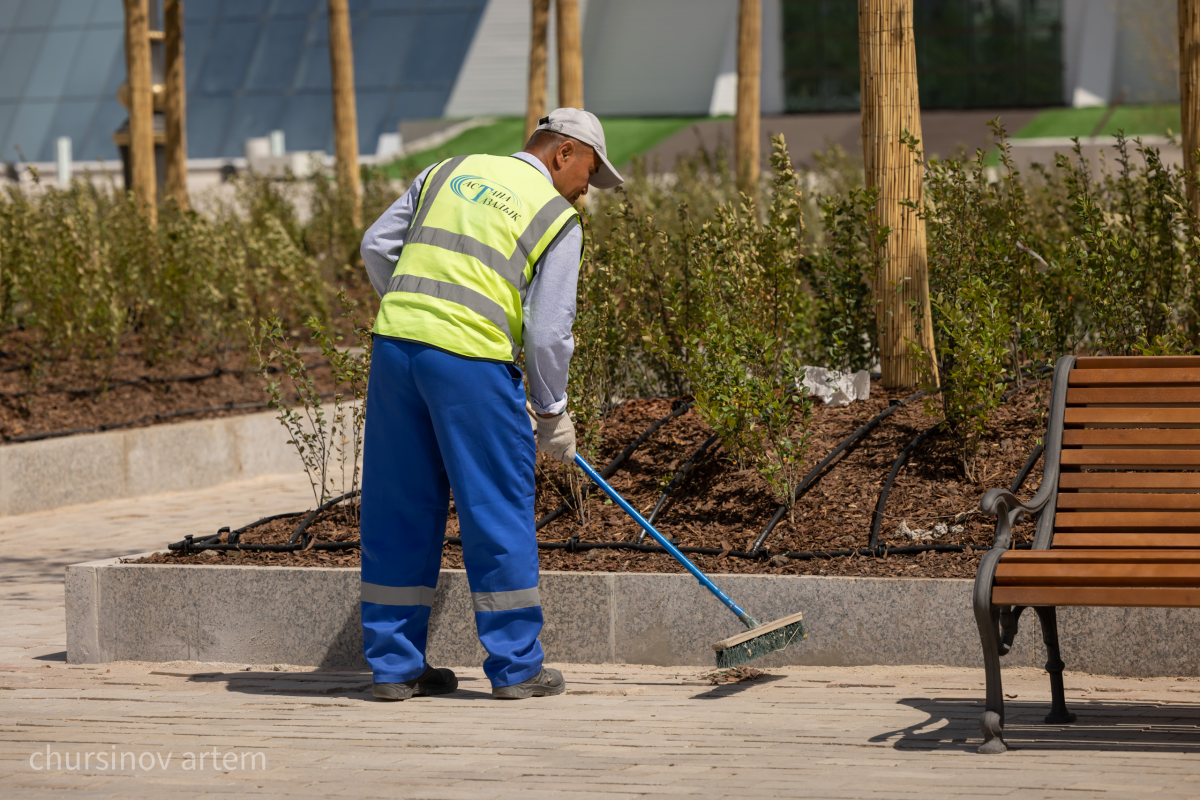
<point x="432" y="681"/>
<point x="547" y="682"/>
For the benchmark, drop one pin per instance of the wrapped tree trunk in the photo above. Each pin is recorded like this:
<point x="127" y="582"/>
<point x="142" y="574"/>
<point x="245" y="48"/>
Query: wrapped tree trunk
<point x="1189" y="93"/>
<point x="890" y="107"/>
<point x="345" y="116"/>
<point x="570" y="55"/>
<point x="535" y="104"/>
<point x="141" y="106"/>
<point x="175" y="111"/>
<point x="749" y="66"/>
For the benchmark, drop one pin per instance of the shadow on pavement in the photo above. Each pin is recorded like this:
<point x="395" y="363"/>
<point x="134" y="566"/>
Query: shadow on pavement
<point x="1110" y="725"/>
<point x="348" y="685"/>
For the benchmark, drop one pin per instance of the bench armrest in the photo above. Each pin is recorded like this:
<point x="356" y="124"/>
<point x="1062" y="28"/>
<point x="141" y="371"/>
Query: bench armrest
<point x="1008" y="509"/>
<point x="1005" y="506"/>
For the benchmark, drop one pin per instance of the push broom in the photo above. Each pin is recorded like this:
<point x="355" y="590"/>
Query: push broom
<point x="759" y="640"/>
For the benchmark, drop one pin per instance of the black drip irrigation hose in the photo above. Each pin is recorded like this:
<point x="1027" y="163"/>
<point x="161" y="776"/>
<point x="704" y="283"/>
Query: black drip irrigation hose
<point x="191" y="544"/>
<point x="678" y="479"/>
<point x="1026" y="468"/>
<point x="900" y="461"/>
<point x="917" y="441"/>
<point x="34" y="437"/>
<point x="819" y="470"/>
<point x="203" y="376"/>
<point x="612" y="466"/>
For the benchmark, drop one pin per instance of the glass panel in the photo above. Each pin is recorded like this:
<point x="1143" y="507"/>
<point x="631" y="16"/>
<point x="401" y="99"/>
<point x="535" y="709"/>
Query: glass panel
<point x="196" y="11"/>
<point x="255" y="115"/>
<point x="36" y="13"/>
<point x="7" y="112"/>
<point x="195" y="47"/>
<point x="73" y="12"/>
<point x="20" y="51"/>
<point x="228" y="56"/>
<point x="294" y="8"/>
<point x="279" y="49"/>
<point x="970" y="53"/>
<point x="207" y="119"/>
<point x="70" y="119"/>
<point x="452" y="33"/>
<point x="374" y="118"/>
<point x="8" y="12"/>
<point x="244" y="8"/>
<point x="418" y="105"/>
<point x="109" y="116"/>
<point x="54" y="64"/>
<point x="28" y="130"/>
<point x="308" y="122"/>
<point x="379" y="50"/>
<point x="112" y="12"/>
<point x="94" y="62"/>
<point x="314" y="68"/>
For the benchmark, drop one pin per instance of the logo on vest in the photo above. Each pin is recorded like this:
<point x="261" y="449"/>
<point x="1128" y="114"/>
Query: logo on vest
<point x="483" y="192"/>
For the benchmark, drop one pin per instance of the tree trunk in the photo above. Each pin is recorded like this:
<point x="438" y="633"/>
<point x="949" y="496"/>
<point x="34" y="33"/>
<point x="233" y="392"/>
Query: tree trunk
<point x="1189" y="93"/>
<point x="141" y="106"/>
<point x="175" y="110"/>
<point x="570" y="55"/>
<point x="345" y="117"/>
<point x="535" y="107"/>
<point x="890" y="106"/>
<point x="749" y="66"/>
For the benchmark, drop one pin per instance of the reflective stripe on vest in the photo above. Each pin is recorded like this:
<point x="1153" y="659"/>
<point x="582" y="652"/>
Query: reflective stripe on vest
<point x="482" y="223"/>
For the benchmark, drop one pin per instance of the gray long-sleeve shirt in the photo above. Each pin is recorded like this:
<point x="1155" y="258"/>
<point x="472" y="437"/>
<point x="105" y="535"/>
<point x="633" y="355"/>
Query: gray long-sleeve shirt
<point x="549" y="308"/>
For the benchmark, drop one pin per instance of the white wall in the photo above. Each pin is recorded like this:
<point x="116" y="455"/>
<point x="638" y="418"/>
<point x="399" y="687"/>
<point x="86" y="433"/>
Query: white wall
<point x="640" y="57"/>
<point x="1124" y="50"/>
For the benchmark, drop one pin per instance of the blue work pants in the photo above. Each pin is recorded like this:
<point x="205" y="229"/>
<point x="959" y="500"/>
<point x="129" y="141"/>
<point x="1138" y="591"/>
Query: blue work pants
<point x="436" y="423"/>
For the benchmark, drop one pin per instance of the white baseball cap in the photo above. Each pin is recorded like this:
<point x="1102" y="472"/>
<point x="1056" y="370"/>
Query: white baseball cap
<point x="583" y="125"/>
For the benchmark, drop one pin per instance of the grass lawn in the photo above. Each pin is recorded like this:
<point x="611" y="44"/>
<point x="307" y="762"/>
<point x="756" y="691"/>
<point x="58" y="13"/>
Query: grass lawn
<point x="1134" y="120"/>
<point x="626" y="137"/>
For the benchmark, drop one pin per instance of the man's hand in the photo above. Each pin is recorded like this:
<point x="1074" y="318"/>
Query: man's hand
<point x="555" y="435"/>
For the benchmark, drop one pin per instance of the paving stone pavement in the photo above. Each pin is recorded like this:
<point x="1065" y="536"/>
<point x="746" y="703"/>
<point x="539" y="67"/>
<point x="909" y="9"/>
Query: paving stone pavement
<point x="620" y="731"/>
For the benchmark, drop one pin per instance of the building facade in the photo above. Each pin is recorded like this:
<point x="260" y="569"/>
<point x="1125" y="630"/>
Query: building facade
<point x="255" y="66"/>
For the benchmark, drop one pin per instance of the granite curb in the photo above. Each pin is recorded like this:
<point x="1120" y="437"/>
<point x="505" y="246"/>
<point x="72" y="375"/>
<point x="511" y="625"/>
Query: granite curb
<point x="38" y="476"/>
<point x="310" y="617"/>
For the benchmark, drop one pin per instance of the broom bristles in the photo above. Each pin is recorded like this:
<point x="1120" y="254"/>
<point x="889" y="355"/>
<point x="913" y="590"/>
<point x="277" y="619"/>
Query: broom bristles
<point x="746" y="647"/>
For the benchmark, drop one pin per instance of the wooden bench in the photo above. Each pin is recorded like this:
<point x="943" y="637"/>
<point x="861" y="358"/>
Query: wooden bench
<point x="1118" y="512"/>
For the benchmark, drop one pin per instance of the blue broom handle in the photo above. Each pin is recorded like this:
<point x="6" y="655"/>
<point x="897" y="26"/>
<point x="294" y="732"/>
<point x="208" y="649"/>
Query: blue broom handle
<point x="658" y="537"/>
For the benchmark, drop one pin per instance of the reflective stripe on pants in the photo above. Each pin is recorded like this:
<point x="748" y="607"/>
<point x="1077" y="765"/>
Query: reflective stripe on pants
<point x="437" y="421"/>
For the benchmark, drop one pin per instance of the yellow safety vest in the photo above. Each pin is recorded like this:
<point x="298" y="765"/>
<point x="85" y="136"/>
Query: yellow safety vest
<point x="482" y="224"/>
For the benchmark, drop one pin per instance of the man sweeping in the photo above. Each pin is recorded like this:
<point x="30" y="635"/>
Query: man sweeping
<point x="478" y="260"/>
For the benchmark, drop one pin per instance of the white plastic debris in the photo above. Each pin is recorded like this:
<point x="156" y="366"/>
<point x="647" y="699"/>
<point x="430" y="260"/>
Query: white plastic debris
<point x="837" y="388"/>
<point x="939" y="530"/>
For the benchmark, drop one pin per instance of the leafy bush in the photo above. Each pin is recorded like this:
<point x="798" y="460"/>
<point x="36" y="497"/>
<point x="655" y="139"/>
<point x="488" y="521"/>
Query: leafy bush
<point x="328" y="445"/>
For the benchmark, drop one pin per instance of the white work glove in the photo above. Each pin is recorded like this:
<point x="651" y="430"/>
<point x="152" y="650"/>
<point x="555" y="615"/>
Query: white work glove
<point x="555" y="435"/>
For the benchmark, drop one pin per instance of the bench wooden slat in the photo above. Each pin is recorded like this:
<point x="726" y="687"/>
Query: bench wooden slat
<point x="1120" y="395"/>
<point x="1132" y="416"/>
<point x="1137" y="362"/>
<point x="1098" y="574"/>
<point x="1133" y="501"/>
<point x="1118" y="521"/>
<point x="1131" y="437"/>
<point x="1132" y="377"/>
<point x="1129" y="480"/>
<point x="1138" y="540"/>
<point x="1110" y="556"/>
<point x="1142" y="597"/>
<point x="1142" y="458"/>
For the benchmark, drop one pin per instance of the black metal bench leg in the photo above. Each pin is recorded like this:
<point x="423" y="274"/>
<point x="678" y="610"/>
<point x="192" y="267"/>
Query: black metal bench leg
<point x="987" y="617"/>
<point x="1059" y="715"/>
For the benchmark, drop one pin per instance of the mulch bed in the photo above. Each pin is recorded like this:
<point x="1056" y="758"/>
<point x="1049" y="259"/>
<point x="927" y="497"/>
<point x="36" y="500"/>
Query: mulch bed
<point x="76" y="395"/>
<point x="721" y="507"/>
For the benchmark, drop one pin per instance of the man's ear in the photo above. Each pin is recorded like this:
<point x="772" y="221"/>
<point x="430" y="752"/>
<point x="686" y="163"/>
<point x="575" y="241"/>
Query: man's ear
<point x="565" y="151"/>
